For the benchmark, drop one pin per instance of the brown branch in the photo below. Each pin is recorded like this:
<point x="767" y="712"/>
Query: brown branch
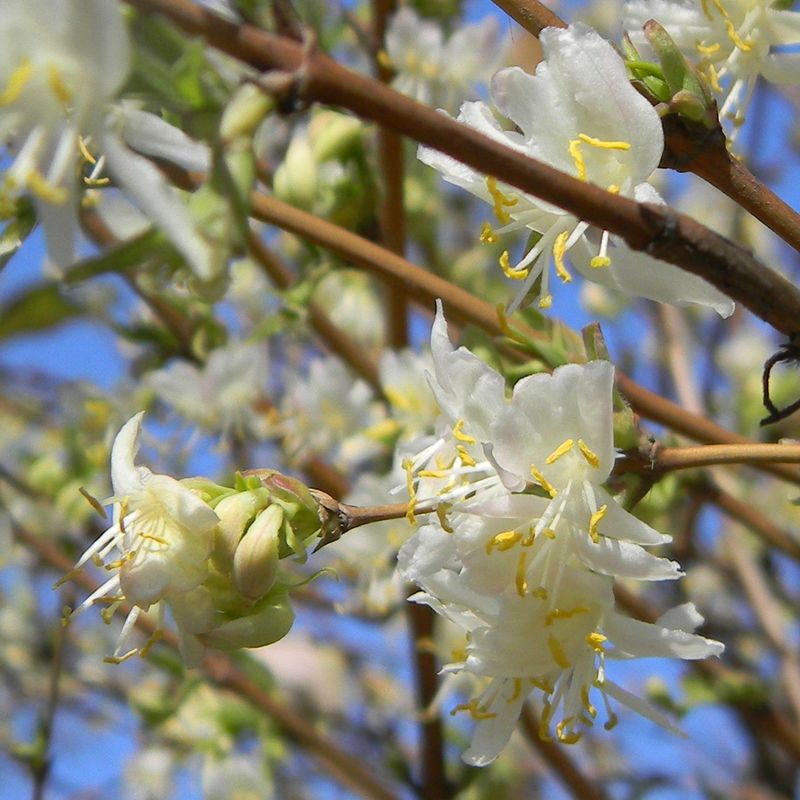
<point x="659" y="460"/>
<point x="349" y="771"/>
<point x="658" y="230"/>
<point x="556" y="758"/>
<point x="531" y="15"/>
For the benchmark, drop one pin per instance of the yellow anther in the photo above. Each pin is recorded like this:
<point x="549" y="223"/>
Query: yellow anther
<point x="559" y="250"/>
<point x="587" y="703"/>
<point x="59" y="88"/>
<point x="588" y="454"/>
<point x="713" y="77"/>
<point x="38" y="184"/>
<point x="557" y="651"/>
<point x="488" y="236"/>
<point x="595" y="640"/>
<point x="382" y="57"/>
<point x="565" y="613"/>
<point x="603" y="144"/>
<point x="16" y="82"/>
<point x="519" y="579"/>
<point x="475" y="711"/>
<point x="500" y="201"/>
<point x="561" y="450"/>
<point x="543" y="482"/>
<point x="83" y="149"/>
<point x="707" y="49"/>
<point x="528" y="540"/>
<point x="543" y="685"/>
<point x="431" y="473"/>
<point x="408" y="466"/>
<point x="148" y="646"/>
<point x="503" y="541"/>
<point x="575" y="151"/>
<point x="153" y="538"/>
<point x="612" y="188"/>
<point x="600" y="261"/>
<point x="540" y="593"/>
<point x="546" y="301"/>
<point x="549" y="533"/>
<point x="517" y="690"/>
<point x="509" y="271"/>
<point x="120" y="659"/>
<point x="441" y="513"/>
<point x="611" y="723"/>
<point x="595" y="521"/>
<point x="544" y="723"/>
<point x="458" y="432"/>
<point x="466" y="459"/>
<point x="567" y="737"/>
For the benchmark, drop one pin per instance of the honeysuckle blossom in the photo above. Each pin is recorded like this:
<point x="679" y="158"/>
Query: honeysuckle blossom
<point x="436" y="72"/>
<point x="579" y="114"/>
<point x="734" y="40"/>
<point x="162" y="534"/>
<point x="224" y="393"/>
<point x="526" y="543"/>
<point x="60" y="70"/>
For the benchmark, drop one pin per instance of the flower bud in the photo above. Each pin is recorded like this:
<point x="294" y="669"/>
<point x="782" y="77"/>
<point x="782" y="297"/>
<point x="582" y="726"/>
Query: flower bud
<point x="295" y="180"/>
<point x="235" y="513"/>
<point x="333" y="135"/>
<point x="269" y="620"/>
<point x="255" y="562"/>
<point x="244" y="113"/>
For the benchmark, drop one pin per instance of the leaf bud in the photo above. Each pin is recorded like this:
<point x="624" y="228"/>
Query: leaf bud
<point x="255" y="562"/>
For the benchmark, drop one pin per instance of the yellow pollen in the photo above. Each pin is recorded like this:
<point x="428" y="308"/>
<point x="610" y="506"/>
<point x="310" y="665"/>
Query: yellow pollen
<point x="543" y="482"/>
<point x="594" y="521"/>
<point x="566" y="613"/>
<point x="38" y="184"/>
<point x="431" y="473"/>
<point x="707" y="49"/>
<point x="604" y="145"/>
<point x="83" y="148"/>
<point x="59" y="88"/>
<point x="466" y="459"/>
<point x="561" y="450"/>
<point x="575" y="151"/>
<point x="519" y="580"/>
<point x="587" y="704"/>
<point x="408" y="466"/>
<point x="503" y="541"/>
<point x="565" y="736"/>
<point x="595" y="641"/>
<point x="600" y="261"/>
<point x="500" y="200"/>
<point x="612" y="188"/>
<point x="559" y="249"/>
<point x="17" y="82"/>
<point x="509" y="271"/>
<point x="517" y="690"/>
<point x="488" y="236"/>
<point x="474" y="710"/>
<point x="441" y="513"/>
<point x="458" y="432"/>
<point x="557" y="651"/>
<point x="588" y="454"/>
<point x="546" y="301"/>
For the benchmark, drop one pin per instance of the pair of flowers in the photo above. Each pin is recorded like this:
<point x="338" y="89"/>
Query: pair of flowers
<point x="526" y="543"/>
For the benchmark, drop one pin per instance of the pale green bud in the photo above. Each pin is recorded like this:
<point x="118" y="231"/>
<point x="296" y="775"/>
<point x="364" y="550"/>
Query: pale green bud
<point x="333" y="135"/>
<point x="255" y="562"/>
<point x="235" y="513"/>
<point x="269" y="620"/>
<point x="295" y="180"/>
<point x="244" y="113"/>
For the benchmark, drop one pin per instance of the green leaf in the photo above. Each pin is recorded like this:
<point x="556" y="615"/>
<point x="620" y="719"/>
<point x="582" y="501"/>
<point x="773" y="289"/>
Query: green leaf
<point x="36" y="309"/>
<point x="127" y="254"/>
<point x="17" y="230"/>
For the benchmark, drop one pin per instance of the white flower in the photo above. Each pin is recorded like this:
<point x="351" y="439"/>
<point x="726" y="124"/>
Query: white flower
<point x="579" y="114"/>
<point x="436" y="72"/>
<point x="63" y="62"/>
<point x="735" y="40"/>
<point x="221" y="394"/>
<point x="403" y="376"/>
<point x="162" y="533"/>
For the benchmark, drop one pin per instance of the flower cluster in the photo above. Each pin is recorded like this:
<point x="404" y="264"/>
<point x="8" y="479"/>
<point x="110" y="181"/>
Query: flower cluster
<point x="734" y="40"/>
<point x="207" y="553"/>
<point x="526" y="542"/>
<point x="579" y="114"/>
